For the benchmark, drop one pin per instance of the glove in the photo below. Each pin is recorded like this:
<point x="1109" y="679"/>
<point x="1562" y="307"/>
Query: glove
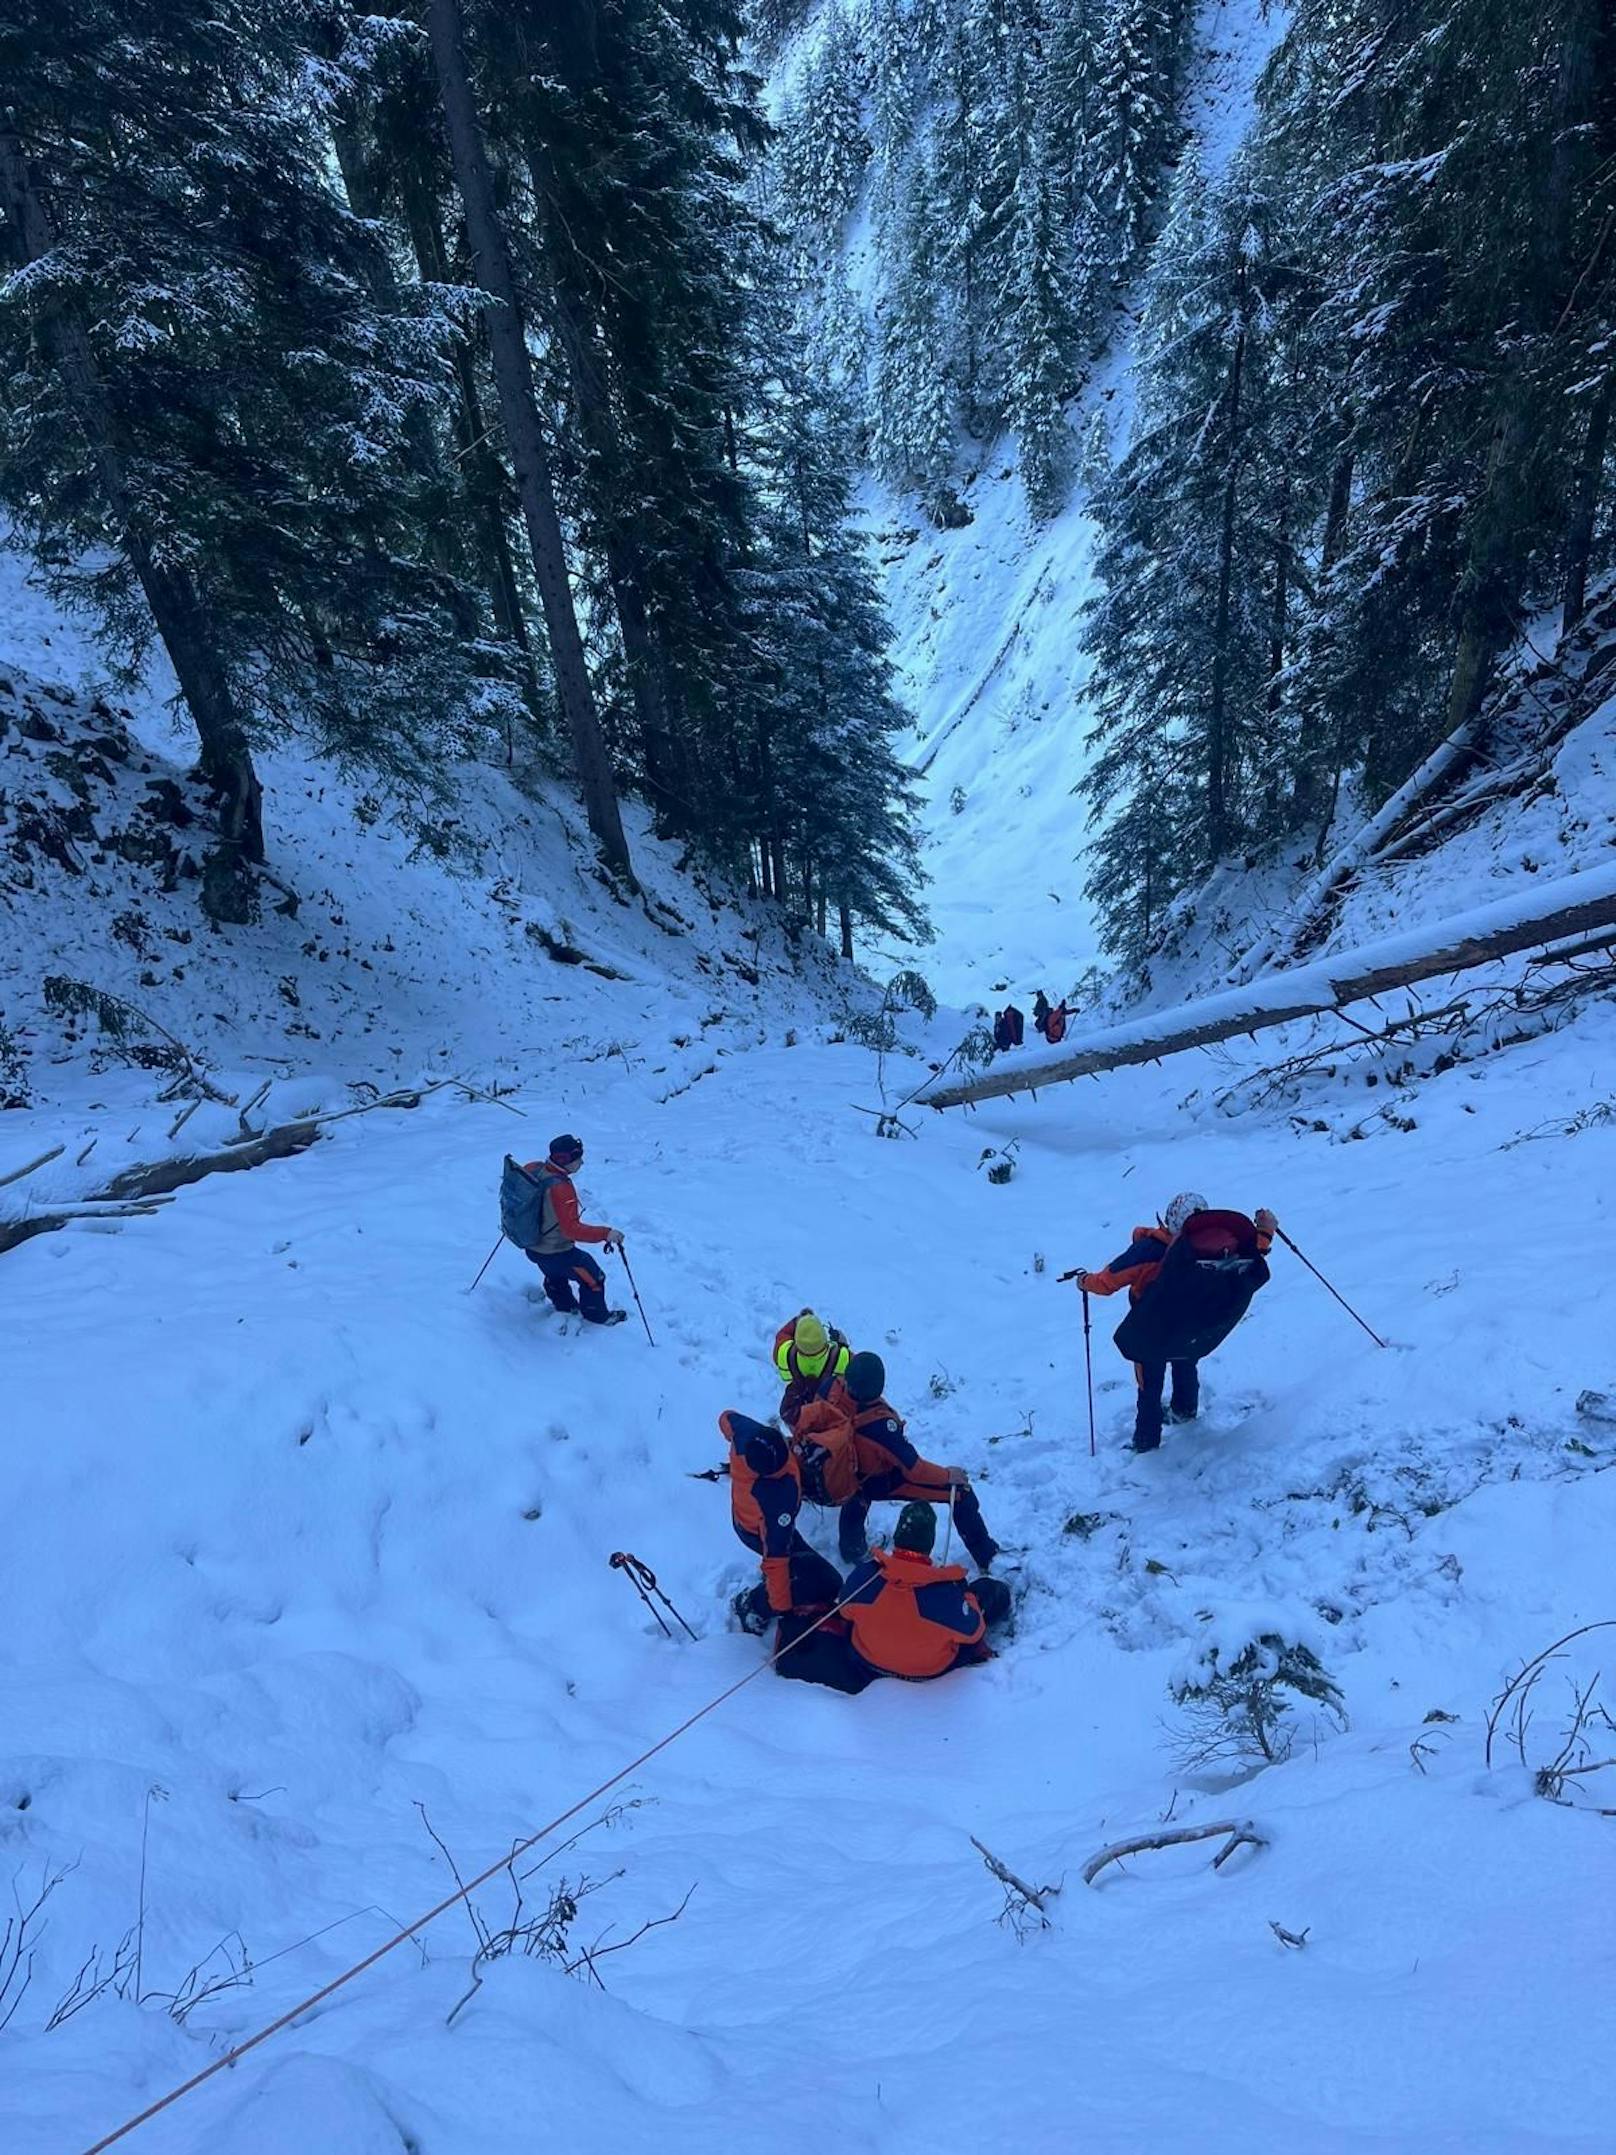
<point x="614" y="1239"/>
<point x="1264" y="1221"/>
<point x="958" y="1477"/>
<point x="1080" y="1279"/>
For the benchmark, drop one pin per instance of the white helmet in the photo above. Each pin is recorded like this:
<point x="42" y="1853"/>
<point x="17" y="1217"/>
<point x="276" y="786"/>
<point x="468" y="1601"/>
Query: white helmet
<point x="1186" y="1202"/>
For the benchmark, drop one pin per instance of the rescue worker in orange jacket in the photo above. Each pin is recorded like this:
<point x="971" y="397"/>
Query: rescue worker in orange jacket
<point x="1137" y="1269"/>
<point x="573" y="1280"/>
<point x="909" y="1617"/>
<point x="890" y="1470"/>
<point x="902" y="1615"/>
<point x="806" y="1353"/>
<point x="765" y="1495"/>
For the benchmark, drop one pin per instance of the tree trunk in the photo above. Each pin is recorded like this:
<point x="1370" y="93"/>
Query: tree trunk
<point x="844" y="921"/>
<point x="519" y="412"/>
<point x="1217" y="746"/>
<point x="624" y="571"/>
<point x="1575" y="905"/>
<point x="1585" y="506"/>
<point x="229" y="887"/>
<point x="489" y="478"/>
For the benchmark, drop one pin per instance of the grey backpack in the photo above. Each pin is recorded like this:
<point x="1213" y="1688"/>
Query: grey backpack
<point x="521" y="1204"/>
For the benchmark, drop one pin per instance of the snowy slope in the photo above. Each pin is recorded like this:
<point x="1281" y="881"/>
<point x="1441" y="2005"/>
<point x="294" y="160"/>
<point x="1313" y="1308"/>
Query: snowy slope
<point x="499" y="957"/>
<point x="340" y="1550"/>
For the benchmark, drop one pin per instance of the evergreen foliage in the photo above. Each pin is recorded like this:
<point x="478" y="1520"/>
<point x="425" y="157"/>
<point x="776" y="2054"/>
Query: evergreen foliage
<point x="1020" y="149"/>
<point x="263" y="402"/>
<point x="1375" y="390"/>
<point x="215" y="399"/>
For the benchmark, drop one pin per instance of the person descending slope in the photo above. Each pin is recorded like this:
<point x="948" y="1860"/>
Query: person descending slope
<point x="539" y="1213"/>
<point x="1190" y="1280"/>
<point x="765" y="1496"/>
<point x="1040" y="1012"/>
<point x="891" y="1470"/>
<point x="806" y="1352"/>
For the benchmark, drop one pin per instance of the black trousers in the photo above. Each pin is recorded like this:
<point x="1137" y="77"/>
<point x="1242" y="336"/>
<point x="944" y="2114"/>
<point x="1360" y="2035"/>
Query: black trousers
<point x="574" y="1282"/>
<point x="823" y="1657"/>
<point x="852" y="1520"/>
<point x="1151" y="1378"/>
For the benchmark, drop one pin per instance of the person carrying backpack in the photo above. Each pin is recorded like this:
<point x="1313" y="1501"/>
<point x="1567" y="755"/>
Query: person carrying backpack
<point x="1040" y="1012"/>
<point x="1190" y="1280"/>
<point x="539" y="1213"/>
<point x="1009" y="1029"/>
<point x="1054" y="1027"/>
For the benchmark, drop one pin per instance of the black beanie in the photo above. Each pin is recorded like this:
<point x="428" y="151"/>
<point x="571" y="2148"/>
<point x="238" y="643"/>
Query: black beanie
<point x="565" y="1147"/>
<point x="916" y="1530"/>
<point x="866" y="1378"/>
<point x="765" y="1450"/>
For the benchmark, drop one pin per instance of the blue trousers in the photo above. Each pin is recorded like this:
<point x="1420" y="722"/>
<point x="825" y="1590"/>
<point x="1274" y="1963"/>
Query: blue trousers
<point x="574" y="1282"/>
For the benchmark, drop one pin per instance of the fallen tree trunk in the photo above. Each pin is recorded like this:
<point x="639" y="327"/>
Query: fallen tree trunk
<point x="140" y="1191"/>
<point x="1573" y="905"/>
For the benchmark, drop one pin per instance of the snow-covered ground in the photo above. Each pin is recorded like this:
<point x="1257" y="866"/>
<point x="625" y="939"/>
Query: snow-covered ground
<point x="492" y="959"/>
<point x="299" y="1536"/>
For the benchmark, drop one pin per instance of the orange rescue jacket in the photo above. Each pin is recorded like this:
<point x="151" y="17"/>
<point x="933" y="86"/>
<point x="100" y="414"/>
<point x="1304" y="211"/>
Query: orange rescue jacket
<point x="911" y="1617"/>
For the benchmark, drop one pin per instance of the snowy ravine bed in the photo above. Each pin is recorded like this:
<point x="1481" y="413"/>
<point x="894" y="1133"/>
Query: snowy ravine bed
<point x="299" y="1536"/>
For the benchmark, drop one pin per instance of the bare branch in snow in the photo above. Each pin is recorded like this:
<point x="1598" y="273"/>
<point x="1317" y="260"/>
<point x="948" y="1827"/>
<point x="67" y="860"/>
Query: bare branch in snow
<point x="1021" y="1901"/>
<point x="1237" y="1833"/>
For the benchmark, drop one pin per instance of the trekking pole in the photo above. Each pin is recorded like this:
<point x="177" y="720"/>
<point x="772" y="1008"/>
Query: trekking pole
<point x="1088" y="1369"/>
<point x="644" y="1580"/>
<point x="487" y="1261"/>
<point x="635" y="1292"/>
<point x="948" y="1541"/>
<point x="1323" y="1282"/>
<point x="1088" y="1352"/>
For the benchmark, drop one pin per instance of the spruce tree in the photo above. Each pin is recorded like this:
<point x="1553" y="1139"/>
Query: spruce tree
<point x="212" y="417"/>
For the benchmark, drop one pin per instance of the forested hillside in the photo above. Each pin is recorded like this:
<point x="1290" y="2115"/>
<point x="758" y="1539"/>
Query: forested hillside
<point x="428" y="386"/>
<point x="1354" y="457"/>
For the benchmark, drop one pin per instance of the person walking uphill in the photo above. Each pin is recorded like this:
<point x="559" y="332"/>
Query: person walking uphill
<point x="1190" y="1280"/>
<point x="573" y="1280"/>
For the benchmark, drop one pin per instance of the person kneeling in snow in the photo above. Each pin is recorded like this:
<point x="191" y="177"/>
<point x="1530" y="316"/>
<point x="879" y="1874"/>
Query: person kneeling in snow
<point x="806" y="1354"/>
<point x="909" y="1617"/>
<point x="890" y="1470"/>
<point x="765" y="1496"/>
<point x="555" y="1251"/>
<point x="902" y="1616"/>
<point x="1190" y="1280"/>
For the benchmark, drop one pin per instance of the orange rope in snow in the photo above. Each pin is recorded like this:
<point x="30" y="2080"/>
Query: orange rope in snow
<point x="452" y="1900"/>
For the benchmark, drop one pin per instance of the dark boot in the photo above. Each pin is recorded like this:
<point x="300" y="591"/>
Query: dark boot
<point x="1147" y="1417"/>
<point x="1185" y="1399"/>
